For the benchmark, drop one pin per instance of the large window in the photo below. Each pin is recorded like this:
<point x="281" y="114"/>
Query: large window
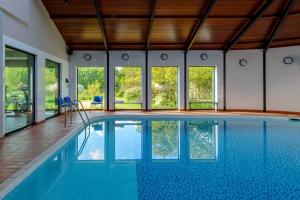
<point x="202" y="87"/>
<point x="19" y="70"/>
<point x="52" y="84"/>
<point x="164" y="87"/>
<point x="128" y="87"/>
<point x="90" y="83"/>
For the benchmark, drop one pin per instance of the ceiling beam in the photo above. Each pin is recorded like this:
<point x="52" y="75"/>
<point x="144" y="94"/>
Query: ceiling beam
<point x="101" y="23"/>
<point x="153" y="7"/>
<point x="191" y="38"/>
<point x="248" y="24"/>
<point x="279" y="23"/>
<point x="86" y="16"/>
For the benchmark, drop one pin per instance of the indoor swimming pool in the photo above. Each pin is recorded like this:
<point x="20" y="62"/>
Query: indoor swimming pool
<point x="172" y="158"/>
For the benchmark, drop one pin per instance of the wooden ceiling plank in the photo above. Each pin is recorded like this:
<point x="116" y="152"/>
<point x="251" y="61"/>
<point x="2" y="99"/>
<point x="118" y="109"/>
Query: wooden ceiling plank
<point x="279" y="23"/>
<point x="191" y="38"/>
<point x="248" y="24"/>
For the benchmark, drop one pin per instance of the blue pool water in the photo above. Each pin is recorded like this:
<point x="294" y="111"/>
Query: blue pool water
<point x="173" y="159"/>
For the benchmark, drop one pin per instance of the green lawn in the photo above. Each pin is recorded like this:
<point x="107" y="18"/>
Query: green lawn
<point x="202" y="106"/>
<point x="128" y="106"/>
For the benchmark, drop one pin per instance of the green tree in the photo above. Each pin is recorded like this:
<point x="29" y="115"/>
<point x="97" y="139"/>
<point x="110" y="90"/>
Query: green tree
<point x="164" y="87"/>
<point x="165" y="138"/>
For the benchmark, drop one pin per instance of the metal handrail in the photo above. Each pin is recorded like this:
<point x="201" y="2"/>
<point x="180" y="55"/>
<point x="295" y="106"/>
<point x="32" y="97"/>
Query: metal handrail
<point x="75" y="102"/>
<point x="86" y="137"/>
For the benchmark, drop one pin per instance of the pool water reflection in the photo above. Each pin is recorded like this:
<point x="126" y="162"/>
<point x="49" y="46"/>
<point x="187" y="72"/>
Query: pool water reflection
<point x="173" y="159"/>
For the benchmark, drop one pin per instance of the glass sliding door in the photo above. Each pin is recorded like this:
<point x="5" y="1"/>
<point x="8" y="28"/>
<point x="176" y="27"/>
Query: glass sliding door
<point x="90" y="83"/>
<point x="128" y="87"/>
<point x="202" y="87"/>
<point x="165" y="87"/>
<point x="19" y="89"/>
<point x="52" y="84"/>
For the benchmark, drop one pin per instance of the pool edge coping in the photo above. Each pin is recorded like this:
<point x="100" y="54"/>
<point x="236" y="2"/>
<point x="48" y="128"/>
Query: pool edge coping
<point x="25" y="171"/>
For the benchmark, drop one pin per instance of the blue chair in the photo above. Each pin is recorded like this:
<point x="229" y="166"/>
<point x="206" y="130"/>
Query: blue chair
<point x="61" y="104"/>
<point x="98" y="100"/>
<point x="68" y="101"/>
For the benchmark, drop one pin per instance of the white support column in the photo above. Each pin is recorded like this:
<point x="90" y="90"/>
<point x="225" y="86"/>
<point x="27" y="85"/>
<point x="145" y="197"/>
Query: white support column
<point x="149" y="87"/>
<point x="72" y="81"/>
<point x="40" y="89"/>
<point x="187" y="88"/>
<point x="181" y="87"/>
<point x="111" y="82"/>
<point x="2" y="80"/>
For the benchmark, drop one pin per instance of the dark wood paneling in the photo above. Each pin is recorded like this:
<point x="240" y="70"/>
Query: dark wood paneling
<point x="208" y="46"/>
<point x="236" y="8"/>
<point x="126" y="30"/>
<point x="290" y="28"/>
<point x="125" y="7"/>
<point x="275" y="8"/>
<point x="127" y="22"/>
<point x="253" y="45"/>
<point x="218" y="30"/>
<point x="171" y="30"/>
<point x="166" y="46"/>
<point x="191" y="8"/>
<point x="130" y="46"/>
<point x="85" y="46"/>
<point x="79" y="30"/>
<point x="296" y="8"/>
<point x="259" y="31"/>
<point x="286" y="42"/>
<point x="75" y="7"/>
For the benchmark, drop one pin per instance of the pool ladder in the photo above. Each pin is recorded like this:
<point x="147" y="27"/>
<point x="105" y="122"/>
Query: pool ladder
<point x="76" y="103"/>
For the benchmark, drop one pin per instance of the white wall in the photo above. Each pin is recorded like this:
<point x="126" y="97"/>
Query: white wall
<point x="32" y="26"/>
<point x="26" y="25"/>
<point x="215" y="58"/>
<point x="244" y="84"/>
<point x="283" y="81"/>
<point x="21" y="12"/>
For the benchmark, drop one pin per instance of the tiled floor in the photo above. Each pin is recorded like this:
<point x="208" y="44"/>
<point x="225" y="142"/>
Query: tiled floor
<point x="19" y="149"/>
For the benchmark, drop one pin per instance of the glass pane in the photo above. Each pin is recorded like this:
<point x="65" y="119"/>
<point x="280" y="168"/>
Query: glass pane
<point x="165" y="140"/>
<point x="202" y="140"/>
<point x="128" y="87"/>
<point x="52" y="88"/>
<point x="128" y="140"/>
<point x="202" y="87"/>
<point x="91" y="145"/>
<point x="164" y="87"/>
<point x="18" y="89"/>
<point x="90" y="83"/>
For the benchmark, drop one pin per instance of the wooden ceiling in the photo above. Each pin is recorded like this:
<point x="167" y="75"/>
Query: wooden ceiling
<point x="175" y="24"/>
